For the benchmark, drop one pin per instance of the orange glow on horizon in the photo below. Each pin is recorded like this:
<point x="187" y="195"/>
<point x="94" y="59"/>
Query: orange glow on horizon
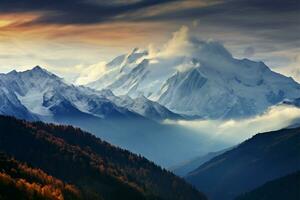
<point x="4" y="23"/>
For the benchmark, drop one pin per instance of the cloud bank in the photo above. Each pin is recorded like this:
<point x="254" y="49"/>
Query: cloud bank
<point x="236" y="131"/>
<point x="76" y="11"/>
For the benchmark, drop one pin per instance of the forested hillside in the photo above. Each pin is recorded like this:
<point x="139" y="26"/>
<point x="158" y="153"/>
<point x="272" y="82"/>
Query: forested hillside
<point x="19" y="181"/>
<point x="98" y="169"/>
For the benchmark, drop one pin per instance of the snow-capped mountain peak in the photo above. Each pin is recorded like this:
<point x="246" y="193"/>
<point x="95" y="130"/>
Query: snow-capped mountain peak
<point x="202" y="78"/>
<point x="37" y="93"/>
<point x="38" y="71"/>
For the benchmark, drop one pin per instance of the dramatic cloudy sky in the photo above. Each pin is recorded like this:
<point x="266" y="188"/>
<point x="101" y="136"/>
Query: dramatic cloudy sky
<point x="65" y="36"/>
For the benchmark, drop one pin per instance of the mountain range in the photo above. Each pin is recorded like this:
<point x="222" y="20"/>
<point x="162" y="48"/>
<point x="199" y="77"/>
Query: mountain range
<point x="203" y="81"/>
<point x="262" y="158"/>
<point x="37" y="94"/>
<point x="130" y="102"/>
<point x="129" y="106"/>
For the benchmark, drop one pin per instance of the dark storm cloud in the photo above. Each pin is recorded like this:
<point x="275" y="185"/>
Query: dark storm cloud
<point x="274" y="20"/>
<point x="76" y="11"/>
<point x="249" y="13"/>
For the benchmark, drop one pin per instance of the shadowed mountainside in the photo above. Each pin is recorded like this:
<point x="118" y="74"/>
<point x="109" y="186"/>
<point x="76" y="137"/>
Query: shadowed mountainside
<point x="262" y="158"/>
<point x="98" y="169"/>
<point x="286" y="187"/>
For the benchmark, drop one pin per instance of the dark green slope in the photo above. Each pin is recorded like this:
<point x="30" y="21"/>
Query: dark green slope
<point x="98" y="169"/>
<point x="262" y="158"/>
<point x="287" y="187"/>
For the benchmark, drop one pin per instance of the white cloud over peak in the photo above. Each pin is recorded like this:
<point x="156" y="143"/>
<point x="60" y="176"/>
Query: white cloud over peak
<point x="236" y="131"/>
<point x="90" y="73"/>
<point x="180" y="44"/>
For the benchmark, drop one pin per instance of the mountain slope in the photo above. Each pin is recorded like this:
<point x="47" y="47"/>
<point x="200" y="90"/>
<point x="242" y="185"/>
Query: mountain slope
<point x="19" y="181"/>
<point x="201" y="78"/>
<point x="10" y="104"/>
<point x="264" y="157"/>
<point x="189" y="166"/>
<point x="118" y="68"/>
<point x="145" y="107"/>
<point x="97" y="169"/>
<point x="286" y="187"/>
